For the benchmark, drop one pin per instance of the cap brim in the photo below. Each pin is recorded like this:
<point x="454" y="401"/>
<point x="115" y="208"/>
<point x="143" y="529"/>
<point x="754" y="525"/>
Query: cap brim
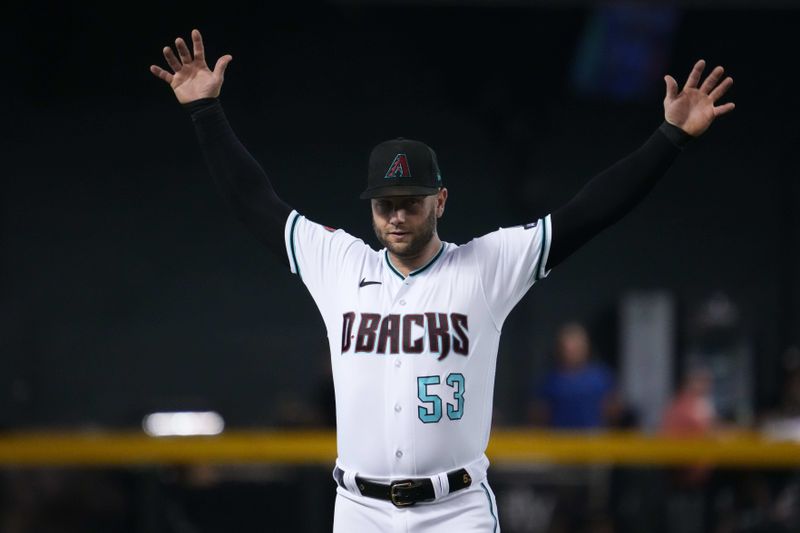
<point x="401" y="190"/>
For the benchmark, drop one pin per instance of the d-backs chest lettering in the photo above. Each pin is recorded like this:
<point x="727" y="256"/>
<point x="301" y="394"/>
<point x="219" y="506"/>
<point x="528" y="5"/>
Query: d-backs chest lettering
<point x="410" y="334"/>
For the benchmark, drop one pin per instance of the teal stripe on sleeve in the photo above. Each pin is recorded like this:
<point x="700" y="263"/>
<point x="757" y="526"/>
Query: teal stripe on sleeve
<point x="542" y="249"/>
<point x="291" y="244"/>
<point x="545" y="246"/>
<point x="537" y="267"/>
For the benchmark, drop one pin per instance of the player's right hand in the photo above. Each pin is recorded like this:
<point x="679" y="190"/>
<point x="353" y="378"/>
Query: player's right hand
<point x="191" y="78"/>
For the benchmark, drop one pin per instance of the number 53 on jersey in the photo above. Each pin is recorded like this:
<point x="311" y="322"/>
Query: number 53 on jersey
<point x="431" y="411"/>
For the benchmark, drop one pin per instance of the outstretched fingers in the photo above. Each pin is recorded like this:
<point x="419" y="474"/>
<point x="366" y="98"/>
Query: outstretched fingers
<point x="721" y="89"/>
<point x="712" y="80"/>
<point x="694" y="75"/>
<point x="672" y="87"/>
<point x="199" y="49"/>
<point x="222" y="64"/>
<point x="183" y="51"/>
<point x="172" y="61"/>
<point x="161" y="73"/>
<point x="724" y="108"/>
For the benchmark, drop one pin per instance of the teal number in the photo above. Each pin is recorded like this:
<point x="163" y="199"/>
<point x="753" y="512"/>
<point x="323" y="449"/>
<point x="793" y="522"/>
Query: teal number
<point x="433" y="412"/>
<point x="457" y="382"/>
<point x="424" y="413"/>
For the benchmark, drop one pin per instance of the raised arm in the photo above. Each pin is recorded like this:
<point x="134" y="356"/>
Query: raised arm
<point x="240" y="178"/>
<point x="610" y="195"/>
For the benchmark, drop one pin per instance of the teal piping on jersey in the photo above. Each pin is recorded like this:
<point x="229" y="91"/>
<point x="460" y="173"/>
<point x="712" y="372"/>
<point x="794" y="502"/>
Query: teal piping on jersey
<point x="491" y="506"/>
<point x="417" y="271"/>
<point x="546" y="242"/>
<point x="291" y="245"/>
<point x="544" y="250"/>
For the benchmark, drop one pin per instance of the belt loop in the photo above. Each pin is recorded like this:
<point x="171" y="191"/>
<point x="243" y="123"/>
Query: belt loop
<point x="350" y="482"/>
<point x="441" y="485"/>
<point x="338" y="476"/>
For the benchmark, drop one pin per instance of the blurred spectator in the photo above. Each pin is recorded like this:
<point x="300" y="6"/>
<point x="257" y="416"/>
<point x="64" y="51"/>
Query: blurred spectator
<point x="577" y="394"/>
<point x="580" y="392"/>
<point x="691" y="414"/>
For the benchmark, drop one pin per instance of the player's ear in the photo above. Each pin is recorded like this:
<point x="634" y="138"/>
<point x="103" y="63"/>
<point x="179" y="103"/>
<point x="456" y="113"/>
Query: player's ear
<point x="441" y="200"/>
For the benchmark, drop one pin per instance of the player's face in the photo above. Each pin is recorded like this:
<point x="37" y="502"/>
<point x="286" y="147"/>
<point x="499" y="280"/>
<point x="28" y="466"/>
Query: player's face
<point x="406" y="224"/>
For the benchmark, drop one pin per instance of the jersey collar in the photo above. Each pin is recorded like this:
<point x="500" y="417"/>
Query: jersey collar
<point x="420" y="270"/>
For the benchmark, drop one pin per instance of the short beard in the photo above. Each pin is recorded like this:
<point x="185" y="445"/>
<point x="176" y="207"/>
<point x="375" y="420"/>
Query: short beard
<point x="417" y="243"/>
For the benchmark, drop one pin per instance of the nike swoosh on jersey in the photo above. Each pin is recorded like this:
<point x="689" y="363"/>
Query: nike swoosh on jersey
<point x="364" y="283"/>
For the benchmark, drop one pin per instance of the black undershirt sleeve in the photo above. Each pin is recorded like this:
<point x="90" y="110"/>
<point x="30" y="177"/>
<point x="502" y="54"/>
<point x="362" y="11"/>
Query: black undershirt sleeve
<point x="239" y="177"/>
<point x="604" y="200"/>
<point x="610" y="195"/>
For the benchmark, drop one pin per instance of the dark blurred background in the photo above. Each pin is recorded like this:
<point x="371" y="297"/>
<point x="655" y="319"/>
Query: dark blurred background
<point x="127" y="285"/>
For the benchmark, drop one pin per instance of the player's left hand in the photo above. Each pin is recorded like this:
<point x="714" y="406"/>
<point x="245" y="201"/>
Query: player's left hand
<point x="693" y="109"/>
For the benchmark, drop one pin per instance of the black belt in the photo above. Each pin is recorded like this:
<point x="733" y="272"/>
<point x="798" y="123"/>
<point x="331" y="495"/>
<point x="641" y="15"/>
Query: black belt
<point x="405" y="492"/>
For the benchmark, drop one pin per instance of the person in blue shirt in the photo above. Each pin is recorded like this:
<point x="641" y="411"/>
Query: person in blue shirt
<point x="579" y="393"/>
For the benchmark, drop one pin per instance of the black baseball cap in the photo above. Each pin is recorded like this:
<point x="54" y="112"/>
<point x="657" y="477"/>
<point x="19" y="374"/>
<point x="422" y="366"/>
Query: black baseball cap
<point x="402" y="167"/>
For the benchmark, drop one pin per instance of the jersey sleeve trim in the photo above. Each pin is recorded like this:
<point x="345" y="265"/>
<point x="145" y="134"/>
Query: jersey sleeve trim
<point x="291" y="224"/>
<point x="547" y="237"/>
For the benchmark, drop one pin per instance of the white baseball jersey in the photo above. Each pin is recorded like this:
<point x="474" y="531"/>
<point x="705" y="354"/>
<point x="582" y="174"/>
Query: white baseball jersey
<point x="414" y="357"/>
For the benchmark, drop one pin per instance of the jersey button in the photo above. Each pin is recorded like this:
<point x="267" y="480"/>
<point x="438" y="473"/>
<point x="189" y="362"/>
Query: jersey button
<point x="402" y="302"/>
<point x="398" y="454"/>
<point x="398" y="408"/>
<point x="397" y="363"/>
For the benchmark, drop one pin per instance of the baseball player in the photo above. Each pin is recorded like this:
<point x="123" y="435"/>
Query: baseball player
<point x="414" y="327"/>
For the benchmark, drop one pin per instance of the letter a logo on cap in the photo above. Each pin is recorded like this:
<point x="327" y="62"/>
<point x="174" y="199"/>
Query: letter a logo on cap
<point x="398" y="168"/>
